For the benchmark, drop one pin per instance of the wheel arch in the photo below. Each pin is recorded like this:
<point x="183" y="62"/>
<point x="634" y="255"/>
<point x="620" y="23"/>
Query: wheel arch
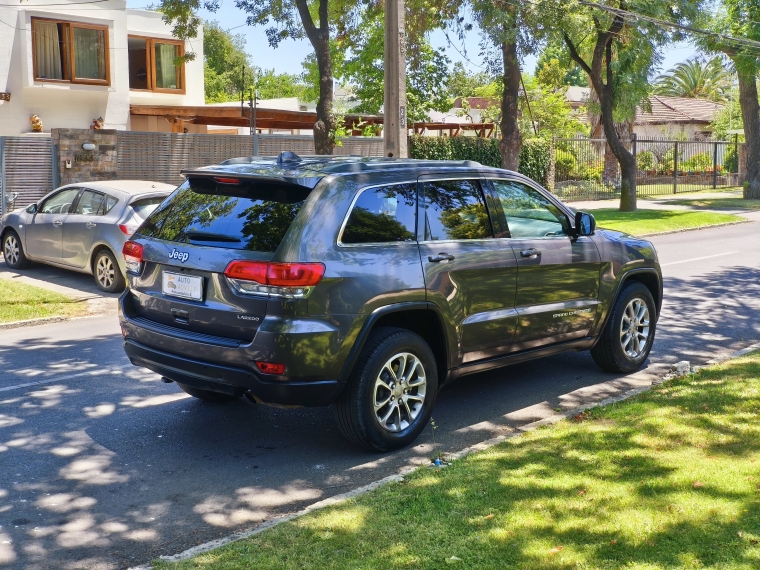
<point x="97" y="248"/>
<point x="421" y="318"/>
<point x="649" y="277"/>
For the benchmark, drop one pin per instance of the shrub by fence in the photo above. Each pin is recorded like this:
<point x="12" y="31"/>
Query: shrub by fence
<point x="535" y="155"/>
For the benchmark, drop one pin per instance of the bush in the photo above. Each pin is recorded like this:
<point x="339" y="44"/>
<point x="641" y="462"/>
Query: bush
<point x="564" y="164"/>
<point x="535" y="155"/>
<point x="700" y="162"/>
<point x="646" y="160"/>
<point x="731" y="160"/>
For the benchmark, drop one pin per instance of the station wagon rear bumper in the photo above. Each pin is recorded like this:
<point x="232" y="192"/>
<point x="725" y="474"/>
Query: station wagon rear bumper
<point x="232" y="380"/>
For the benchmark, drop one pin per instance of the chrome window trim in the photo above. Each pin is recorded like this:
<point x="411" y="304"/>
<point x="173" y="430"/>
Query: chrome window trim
<point x="339" y="241"/>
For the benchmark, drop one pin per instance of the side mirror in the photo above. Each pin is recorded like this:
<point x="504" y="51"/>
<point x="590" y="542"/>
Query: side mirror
<point x="32" y="209"/>
<point x="585" y="224"/>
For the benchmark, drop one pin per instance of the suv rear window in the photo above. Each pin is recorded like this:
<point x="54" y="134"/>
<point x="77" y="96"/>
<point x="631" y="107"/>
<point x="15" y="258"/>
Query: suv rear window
<point x="256" y="221"/>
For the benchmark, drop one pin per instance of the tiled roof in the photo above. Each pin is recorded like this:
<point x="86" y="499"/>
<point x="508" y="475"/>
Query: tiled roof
<point x="667" y="110"/>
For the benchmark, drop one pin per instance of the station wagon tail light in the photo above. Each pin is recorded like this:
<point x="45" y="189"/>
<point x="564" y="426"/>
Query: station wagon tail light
<point x="133" y="257"/>
<point x="289" y="280"/>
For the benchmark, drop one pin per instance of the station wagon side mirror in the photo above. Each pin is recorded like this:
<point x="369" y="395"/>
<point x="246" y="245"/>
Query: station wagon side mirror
<point x="585" y="224"/>
<point x="32" y="209"/>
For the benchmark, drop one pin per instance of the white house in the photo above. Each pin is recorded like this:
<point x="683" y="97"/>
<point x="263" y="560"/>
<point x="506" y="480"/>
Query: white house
<point x="71" y="62"/>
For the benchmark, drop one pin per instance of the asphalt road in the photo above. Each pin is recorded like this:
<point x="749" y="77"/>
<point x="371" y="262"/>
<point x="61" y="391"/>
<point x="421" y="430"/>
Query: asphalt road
<point x="104" y="466"/>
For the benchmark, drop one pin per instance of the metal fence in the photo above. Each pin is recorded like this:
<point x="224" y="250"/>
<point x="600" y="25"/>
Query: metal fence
<point x="586" y="169"/>
<point x="26" y="169"/>
<point x="161" y="156"/>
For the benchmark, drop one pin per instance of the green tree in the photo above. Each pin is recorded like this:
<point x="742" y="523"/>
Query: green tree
<point x="462" y="83"/>
<point x="273" y="85"/>
<point x="571" y="74"/>
<point x="224" y="61"/>
<point x="618" y="53"/>
<point x="549" y="111"/>
<point x="728" y="118"/>
<point x="696" y="79"/>
<point x="739" y="19"/>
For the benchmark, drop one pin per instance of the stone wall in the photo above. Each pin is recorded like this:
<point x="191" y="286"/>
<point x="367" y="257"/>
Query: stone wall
<point x="78" y="165"/>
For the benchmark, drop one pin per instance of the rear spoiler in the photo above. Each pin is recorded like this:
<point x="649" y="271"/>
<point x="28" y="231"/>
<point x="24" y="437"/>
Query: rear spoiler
<point x="247" y="185"/>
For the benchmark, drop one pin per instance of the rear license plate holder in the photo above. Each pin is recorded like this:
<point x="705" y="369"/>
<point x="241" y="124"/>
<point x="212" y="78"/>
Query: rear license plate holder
<point x="182" y="286"/>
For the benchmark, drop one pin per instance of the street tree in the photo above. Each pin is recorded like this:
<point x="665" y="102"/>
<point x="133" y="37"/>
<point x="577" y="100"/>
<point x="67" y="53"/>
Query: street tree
<point x="463" y="83"/>
<point x="619" y="50"/>
<point x="739" y="19"/>
<point x="510" y="32"/>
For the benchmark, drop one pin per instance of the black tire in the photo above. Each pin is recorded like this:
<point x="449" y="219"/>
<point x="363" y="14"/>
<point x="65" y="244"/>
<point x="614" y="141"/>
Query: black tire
<point x="13" y="251"/>
<point x="608" y="353"/>
<point x="108" y="276"/>
<point x="355" y="409"/>
<point x="207" y="395"/>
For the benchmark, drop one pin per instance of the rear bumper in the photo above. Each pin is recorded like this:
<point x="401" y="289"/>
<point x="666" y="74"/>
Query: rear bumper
<point x="232" y="380"/>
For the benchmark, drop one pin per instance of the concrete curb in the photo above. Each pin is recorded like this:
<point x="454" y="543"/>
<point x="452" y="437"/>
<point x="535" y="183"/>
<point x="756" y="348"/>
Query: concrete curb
<point x="397" y="477"/>
<point x="32" y="322"/>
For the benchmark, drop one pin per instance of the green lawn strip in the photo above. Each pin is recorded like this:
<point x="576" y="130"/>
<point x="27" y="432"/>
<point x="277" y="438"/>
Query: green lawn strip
<point x="719" y="203"/>
<point x="19" y="301"/>
<point x="669" y="479"/>
<point x="644" y="222"/>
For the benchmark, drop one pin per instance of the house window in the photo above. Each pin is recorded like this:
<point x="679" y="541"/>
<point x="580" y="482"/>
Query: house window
<point x="70" y="51"/>
<point x="152" y="64"/>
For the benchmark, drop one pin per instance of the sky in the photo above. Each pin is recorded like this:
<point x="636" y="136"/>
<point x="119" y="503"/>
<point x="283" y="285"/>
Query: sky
<point x="288" y="56"/>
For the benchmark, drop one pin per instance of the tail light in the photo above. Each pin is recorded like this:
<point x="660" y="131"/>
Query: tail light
<point x="128" y="229"/>
<point x="133" y="257"/>
<point x="270" y="367"/>
<point x="290" y="280"/>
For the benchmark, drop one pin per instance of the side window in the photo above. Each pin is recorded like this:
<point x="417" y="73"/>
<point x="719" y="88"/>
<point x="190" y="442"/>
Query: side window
<point x="89" y="203"/>
<point x="384" y="214"/>
<point x="106" y="205"/>
<point x="59" y="203"/>
<point x="455" y="209"/>
<point x="529" y="213"/>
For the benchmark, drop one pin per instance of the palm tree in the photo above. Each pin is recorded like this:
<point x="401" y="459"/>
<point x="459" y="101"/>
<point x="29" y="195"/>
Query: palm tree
<point x="696" y="79"/>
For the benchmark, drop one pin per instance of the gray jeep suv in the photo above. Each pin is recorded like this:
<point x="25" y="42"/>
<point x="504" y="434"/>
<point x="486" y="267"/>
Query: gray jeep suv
<point x="369" y="284"/>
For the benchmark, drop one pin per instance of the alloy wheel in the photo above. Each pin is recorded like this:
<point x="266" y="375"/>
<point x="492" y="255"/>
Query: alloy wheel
<point x="634" y="328"/>
<point x="105" y="271"/>
<point x="11" y="249"/>
<point x="399" y="392"/>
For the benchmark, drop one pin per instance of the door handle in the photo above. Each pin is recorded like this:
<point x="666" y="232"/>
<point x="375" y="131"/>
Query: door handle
<point x="532" y="252"/>
<point x="58" y="223"/>
<point x="91" y="224"/>
<point x="440" y="257"/>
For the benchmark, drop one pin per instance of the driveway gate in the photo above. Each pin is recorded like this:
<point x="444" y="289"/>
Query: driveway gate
<point x="26" y="167"/>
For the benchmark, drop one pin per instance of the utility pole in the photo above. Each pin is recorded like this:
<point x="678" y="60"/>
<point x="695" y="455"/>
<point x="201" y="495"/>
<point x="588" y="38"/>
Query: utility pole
<point x="394" y="104"/>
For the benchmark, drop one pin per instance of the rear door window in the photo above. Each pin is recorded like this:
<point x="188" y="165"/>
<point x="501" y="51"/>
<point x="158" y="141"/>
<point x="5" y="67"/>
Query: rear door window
<point x="256" y="219"/>
<point x="89" y="203"/>
<point x="384" y="214"/>
<point x="455" y="210"/>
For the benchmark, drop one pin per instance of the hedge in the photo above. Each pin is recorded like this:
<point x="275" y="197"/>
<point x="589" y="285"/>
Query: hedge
<point x="535" y="154"/>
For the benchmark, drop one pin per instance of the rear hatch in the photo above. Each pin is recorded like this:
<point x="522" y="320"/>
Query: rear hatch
<point x="189" y="241"/>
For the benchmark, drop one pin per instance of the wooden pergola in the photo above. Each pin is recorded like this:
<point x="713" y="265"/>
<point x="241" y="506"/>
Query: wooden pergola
<point x="234" y="116"/>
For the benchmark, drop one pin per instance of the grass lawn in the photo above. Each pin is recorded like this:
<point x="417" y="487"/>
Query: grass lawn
<point x="669" y="479"/>
<point x="720" y="203"/>
<point x="19" y="301"/>
<point x="645" y="222"/>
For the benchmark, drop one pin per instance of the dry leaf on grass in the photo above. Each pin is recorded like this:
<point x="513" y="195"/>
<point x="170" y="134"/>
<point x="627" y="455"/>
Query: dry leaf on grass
<point x="698" y="484"/>
<point x="485" y="518"/>
<point x="555" y="550"/>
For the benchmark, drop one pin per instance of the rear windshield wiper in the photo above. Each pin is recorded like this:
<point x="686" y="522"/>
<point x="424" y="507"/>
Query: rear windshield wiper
<point x="208" y="236"/>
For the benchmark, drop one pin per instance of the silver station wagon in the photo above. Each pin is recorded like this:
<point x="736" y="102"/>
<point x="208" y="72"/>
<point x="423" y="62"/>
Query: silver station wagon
<point x="82" y="227"/>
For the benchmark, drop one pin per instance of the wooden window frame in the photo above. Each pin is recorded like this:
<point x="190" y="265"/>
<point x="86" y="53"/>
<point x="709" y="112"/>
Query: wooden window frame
<point x="150" y="61"/>
<point x="70" y="67"/>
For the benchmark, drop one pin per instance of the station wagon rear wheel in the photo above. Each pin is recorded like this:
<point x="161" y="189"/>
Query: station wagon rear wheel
<point x="107" y="273"/>
<point x="391" y="394"/>
<point x="629" y="332"/>
<point x="13" y="253"/>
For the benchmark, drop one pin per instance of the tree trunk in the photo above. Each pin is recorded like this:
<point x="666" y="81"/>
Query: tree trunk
<point x="324" y="128"/>
<point x="511" y="141"/>
<point x="751" y="117"/>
